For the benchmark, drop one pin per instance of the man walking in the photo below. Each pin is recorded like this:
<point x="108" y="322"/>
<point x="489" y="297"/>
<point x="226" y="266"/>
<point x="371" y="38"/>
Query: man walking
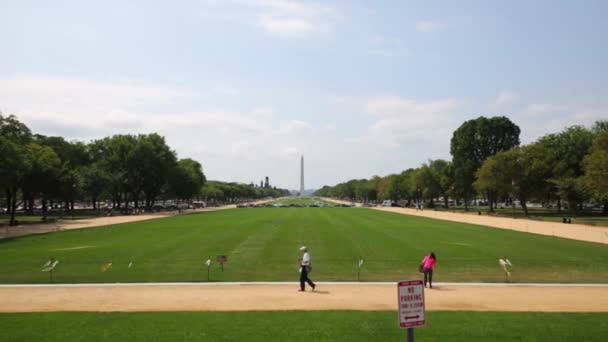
<point x="305" y="269"/>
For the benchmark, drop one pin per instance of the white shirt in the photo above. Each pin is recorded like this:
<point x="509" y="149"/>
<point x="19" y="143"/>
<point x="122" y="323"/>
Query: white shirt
<point x="306" y="259"/>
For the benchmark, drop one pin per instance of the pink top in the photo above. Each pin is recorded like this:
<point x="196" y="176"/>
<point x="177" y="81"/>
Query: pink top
<point x="428" y="262"/>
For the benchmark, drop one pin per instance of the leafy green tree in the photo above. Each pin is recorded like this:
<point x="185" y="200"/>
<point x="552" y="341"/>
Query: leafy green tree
<point x="596" y="169"/>
<point x="111" y="155"/>
<point x="40" y="180"/>
<point x="600" y="126"/>
<point x="564" y="152"/>
<point x="74" y="157"/>
<point x="149" y="166"/>
<point x="95" y="182"/>
<point x="473" y="142"/>
<point x="517" y="173"/>
<point x="187" y="179"/>
<point x="14" y="136"/>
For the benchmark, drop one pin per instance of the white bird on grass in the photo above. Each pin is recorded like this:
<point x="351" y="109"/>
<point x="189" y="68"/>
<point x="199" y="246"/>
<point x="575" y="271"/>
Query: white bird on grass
<point x="51" y="266"/>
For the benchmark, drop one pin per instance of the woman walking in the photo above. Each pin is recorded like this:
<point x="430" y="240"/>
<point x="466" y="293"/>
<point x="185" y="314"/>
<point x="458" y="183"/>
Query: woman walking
<point x="428" y="263"/>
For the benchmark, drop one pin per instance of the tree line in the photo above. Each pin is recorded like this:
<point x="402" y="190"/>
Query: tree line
<point x="565" y="169"/>
<point x="126" y="171"/>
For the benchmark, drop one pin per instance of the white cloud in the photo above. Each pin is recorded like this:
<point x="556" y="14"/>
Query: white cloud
<point x="541" y="118"/>
<point x="397" y="106"/>
<point x="233" y="145"/>
<point x="388" y="52"/>
<point x="295" y="127"/>
<point x="406" y="120"/>
<point x="537" y="109"/>
<point x="427" y="26"/>
<point x="286" y="27"/>
<point x="506" y="97"/>
<point x="226" y="91"/>
<point x="388" y="47"/>
<point x="294" y="19"/>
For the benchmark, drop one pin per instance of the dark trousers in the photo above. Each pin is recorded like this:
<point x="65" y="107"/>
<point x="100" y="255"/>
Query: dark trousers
<point x="304" y="279"/>
<point x="428" y="276"/>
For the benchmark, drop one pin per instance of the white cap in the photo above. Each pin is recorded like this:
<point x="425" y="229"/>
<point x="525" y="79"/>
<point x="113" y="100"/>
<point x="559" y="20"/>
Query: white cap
<point x="303" y="248"/>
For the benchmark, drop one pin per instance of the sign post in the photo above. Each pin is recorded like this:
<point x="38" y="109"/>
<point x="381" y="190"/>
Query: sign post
<point x="411" y="306"/>
<point x="222" y="259"/>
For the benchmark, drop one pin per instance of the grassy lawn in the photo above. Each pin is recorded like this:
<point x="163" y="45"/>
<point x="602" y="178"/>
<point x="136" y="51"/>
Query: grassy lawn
<point x="297" y="200"/>
<point x="542" y="214"/>
<point x="301" y="326"/>
<point x="76" y="215"/>
<point x="262" y="245"/>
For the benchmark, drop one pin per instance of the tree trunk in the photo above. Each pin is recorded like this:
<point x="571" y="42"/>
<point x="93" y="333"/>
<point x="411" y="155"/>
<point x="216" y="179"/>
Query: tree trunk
<point x="31" y="204"/>
<point x="135" y="200"/>
<point x="13" y="206"/>
<point x="559" y="205"/>
<point x="44" y="209"/>
<point x="8" y="200"/>
<point x="524" y="206"/>
<point x="605" y="210"/>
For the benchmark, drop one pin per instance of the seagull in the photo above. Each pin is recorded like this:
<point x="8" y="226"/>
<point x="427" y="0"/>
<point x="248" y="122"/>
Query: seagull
<point x="51" y="266"/>
<point x="106" y="266"/>
<point x="130" y="264"/>
<point x="208" y="262"/>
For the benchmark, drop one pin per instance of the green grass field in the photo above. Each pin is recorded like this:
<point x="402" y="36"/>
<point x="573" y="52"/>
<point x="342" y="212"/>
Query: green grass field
<point x="299" y="200"/>
<point x="262" y="245"/>
<point x="301" y="326"/>
<point x="24" y="218"/>
<point x="541" y="214"/>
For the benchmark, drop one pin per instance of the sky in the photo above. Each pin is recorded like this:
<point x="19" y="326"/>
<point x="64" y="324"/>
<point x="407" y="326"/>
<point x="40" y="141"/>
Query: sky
<point x="360" y="88"/>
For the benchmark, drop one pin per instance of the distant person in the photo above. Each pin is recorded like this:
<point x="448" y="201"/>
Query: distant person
<point x="305" y="268"/>
<point x="428" y="263"/>
<point x="506" y="263"/>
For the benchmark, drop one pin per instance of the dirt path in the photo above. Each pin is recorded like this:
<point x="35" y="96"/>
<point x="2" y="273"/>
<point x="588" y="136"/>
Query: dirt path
<point x="93" y="222"/>
<point x="217" y="297"/>
<point x="568" y="231"/>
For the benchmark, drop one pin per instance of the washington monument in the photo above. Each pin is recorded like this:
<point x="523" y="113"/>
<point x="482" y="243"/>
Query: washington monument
<point x="302" y="175"/>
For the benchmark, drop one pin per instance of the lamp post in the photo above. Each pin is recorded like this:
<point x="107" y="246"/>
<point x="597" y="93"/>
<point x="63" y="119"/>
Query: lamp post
<point x="513" y="196"/>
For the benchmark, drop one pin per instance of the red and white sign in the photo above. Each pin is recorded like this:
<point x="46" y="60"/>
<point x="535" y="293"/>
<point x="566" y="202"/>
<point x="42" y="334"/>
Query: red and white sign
<point x="411" y="303"/>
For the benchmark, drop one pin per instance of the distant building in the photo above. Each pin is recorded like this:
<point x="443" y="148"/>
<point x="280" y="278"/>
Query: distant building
<point x="267" y="184"/>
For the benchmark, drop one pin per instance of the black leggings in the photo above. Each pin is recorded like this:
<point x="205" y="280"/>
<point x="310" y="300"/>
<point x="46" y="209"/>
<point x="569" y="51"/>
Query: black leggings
<point x="304" y="279"/>
<point x="428" y="275"/>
